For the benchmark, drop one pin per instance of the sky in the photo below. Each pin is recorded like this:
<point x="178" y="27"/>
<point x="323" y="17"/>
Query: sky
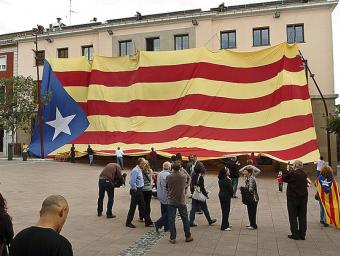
<point x="18" y="15"/>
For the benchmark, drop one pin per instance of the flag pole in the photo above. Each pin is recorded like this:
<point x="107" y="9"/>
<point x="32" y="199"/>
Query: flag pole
<point x="311" y="75"/>
<point x="36" y="31"/>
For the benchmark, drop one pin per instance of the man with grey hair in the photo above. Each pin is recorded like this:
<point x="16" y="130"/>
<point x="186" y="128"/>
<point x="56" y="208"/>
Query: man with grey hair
<point x="162" y="194"/>
<point x="44" y="238"/>
<point x="297" y="198"/>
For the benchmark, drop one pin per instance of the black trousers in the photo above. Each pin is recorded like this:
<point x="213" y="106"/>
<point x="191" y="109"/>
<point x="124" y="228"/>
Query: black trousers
<point x="147" y="199"/>
<point x="105" y="185"/>
<point x="225" y="207"/>
<point x="297" y="212"/>
<point x="252" y="209"/>
<point x="137" y="198"/>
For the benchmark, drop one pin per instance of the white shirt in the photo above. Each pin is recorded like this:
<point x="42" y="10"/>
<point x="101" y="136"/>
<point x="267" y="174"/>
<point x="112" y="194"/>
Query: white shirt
<point x="319" y="164"/>
<point x="119" y="153"/>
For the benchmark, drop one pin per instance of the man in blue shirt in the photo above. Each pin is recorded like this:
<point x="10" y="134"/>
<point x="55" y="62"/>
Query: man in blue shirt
<point x="137" y="198"/>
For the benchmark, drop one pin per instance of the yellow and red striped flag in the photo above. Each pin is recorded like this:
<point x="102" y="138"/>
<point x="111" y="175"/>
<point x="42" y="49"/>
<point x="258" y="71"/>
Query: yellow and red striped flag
<point x="329" y="197"/>
<point x="194" y="101"/>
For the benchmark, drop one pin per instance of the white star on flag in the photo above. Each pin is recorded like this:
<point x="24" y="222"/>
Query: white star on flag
<point x="60" y="124"/>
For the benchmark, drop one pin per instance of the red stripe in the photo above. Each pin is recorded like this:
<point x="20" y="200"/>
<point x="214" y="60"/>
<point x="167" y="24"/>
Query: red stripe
<point x="152" y="108"/>
<point x="172" y="73"/>
<point x="285" y="155"/>
<point x="281" y="127"/>
<point x="331" y="207"/>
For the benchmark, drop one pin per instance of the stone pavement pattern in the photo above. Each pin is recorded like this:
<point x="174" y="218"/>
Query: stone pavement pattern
<point x="26" y="184"/>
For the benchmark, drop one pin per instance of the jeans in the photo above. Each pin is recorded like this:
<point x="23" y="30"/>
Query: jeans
<point x="147" y="199"/>
<point x="322" y="213"/>
<point x="225" y="207"/>
<point x="297" y="212"/>
<point x="204" y="207"/>
<point x="137" y="198"/>
<point x="163" y="221"/>
<point x="182" y="209"/>
<point x="252" y="209"/>
<point x="105" y="185"/>
<point x="91" y="159"/>
<point x="120" y="162"/>
<point x="234" y="183"/>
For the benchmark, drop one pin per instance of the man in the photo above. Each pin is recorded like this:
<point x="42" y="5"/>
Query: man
<point x="106" y="183"/>
<point x="319" y="164"/>
<point x="176" y="200"/>
<point x="162" y="194"/>
<point x="194" y="165"/>
<point x="73" y="154"/>
<point x="233" y="167"/>
<point x="153" y="158"/>
<point x="297" y="197"/>
<point x="90" y="154"/>
<point x="44" y="238"/>
<point x="137" y="198"/>
<point x="120" y="155"/>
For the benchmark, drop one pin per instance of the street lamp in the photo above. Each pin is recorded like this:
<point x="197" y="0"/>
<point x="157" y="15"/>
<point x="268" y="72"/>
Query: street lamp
<point x="311" y="75"/>
<point x="36" y="31"/>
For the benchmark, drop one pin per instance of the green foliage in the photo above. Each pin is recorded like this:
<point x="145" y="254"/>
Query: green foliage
<point x="17" y="103"/>
<point x="334" y="121"/>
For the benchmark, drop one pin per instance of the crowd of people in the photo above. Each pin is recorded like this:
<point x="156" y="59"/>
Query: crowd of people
<point x="175" y="184"/>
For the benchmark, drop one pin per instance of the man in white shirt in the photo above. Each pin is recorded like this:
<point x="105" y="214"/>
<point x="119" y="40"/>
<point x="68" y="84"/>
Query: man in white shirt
<point x="162" y="194"/>
<point x="119" y="155"/>
<point x="319" y="164"/>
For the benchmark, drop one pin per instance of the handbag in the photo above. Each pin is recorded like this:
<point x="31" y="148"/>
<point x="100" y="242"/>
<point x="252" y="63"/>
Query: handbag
<point x="198" y="195"/>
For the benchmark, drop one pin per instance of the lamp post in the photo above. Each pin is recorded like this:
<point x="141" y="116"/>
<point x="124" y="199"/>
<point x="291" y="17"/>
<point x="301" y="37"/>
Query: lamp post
<point x="39" y="30"/>
<point x="328" y="136"/>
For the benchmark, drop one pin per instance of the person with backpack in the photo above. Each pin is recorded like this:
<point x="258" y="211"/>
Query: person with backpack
<point x="90" y="153"/>
<point x="109" y="178"/>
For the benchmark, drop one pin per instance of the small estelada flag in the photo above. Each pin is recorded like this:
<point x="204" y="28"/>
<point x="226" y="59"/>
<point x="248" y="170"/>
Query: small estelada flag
<point x="329" y="195"/>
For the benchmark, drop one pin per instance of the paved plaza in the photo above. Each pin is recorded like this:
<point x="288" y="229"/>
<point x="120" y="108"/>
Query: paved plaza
<point x="26" y="184"/>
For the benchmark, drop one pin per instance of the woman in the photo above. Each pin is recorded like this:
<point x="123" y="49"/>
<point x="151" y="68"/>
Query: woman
<point x="147" y="189"/>
<point x="6" y="227"/>
<point x="250" y="184"/>
<point x="327" y="183"/>
<point x="225" y="194"/>
<point x="198" y="180"/>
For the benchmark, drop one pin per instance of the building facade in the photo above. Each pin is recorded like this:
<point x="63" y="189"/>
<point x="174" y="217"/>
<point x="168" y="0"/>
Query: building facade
<point x="240" y="28"/>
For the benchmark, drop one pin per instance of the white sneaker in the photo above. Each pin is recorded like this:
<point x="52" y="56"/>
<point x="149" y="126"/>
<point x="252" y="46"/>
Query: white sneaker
<point x="250" y="228"/>
<point x="227" y="229"/>
<point x="230" y="226"/>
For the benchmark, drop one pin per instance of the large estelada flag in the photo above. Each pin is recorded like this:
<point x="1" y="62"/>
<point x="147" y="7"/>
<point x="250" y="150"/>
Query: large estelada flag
<point x="193" y="101"/>
<point x="329" y="195"/>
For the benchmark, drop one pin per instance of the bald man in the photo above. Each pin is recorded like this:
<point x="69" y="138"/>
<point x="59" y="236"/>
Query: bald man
<point x="43" y="239"/>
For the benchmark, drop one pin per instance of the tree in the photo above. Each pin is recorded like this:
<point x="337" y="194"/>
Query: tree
<point x="334" y="121"/>
<point x="17" y="103"/>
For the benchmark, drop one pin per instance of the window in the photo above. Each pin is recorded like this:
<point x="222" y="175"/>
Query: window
<point x="40" y="57"/>
<point x="261" y="36"/>
<point x="3" y="63"/>
<point x="153" y="44"/>
<point x="181" y="42"/>
<point x="87" y="51"/>
<point x="228" y="39"/>
<point x="295" y="33"/>
<point x="125" y="48"/>
<point x="63" y="53"/>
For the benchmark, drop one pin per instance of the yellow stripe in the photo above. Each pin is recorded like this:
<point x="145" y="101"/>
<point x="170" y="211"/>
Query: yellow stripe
<point x="175" y="90"/>
<point x="72" y="64"/>
<point x="274" y="144"/>
<point x="194" y="55"/>
<point x="196" y="117"/>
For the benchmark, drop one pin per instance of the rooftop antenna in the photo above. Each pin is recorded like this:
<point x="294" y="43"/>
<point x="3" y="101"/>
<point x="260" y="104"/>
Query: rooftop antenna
<point x="70" y="12"/>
